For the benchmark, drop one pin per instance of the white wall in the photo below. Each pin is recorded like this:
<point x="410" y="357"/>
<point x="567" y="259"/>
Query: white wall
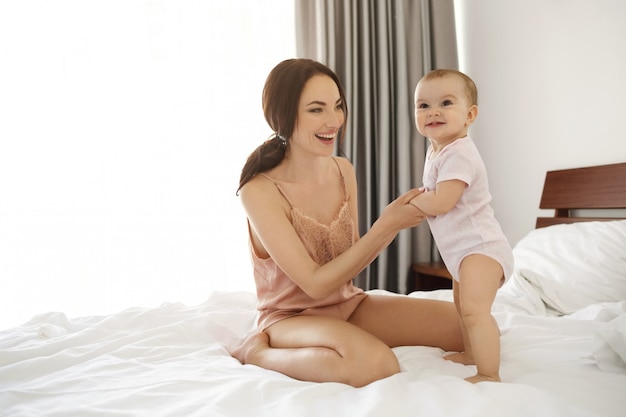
<point x="552" y="93"/>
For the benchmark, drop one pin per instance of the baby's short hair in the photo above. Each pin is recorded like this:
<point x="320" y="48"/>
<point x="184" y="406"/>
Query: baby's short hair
<point x="470" y="86"/>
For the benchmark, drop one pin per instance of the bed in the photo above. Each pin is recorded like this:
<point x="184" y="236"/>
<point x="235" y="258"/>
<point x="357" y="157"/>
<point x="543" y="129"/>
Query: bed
<point x="562" y="317"/>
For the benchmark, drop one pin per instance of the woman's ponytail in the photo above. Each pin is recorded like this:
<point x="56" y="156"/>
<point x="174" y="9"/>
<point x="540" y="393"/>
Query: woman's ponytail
<point x="268" y="155"/>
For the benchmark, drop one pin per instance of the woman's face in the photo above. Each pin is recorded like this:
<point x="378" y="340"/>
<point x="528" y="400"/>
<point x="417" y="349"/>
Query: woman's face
<point x="320" y="116"/>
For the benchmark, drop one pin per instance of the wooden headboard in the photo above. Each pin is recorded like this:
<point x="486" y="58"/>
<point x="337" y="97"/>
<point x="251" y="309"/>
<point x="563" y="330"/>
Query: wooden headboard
<point x="596" y="187"/>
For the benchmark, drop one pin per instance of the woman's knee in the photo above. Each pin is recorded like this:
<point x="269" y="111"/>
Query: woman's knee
<point x="378" y="364"/>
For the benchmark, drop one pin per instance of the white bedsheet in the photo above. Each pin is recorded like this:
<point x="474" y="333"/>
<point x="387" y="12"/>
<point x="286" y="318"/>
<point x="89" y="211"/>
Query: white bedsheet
<point x="172" y="361"/>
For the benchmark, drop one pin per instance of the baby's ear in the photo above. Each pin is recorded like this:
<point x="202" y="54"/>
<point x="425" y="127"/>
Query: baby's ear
<point x="472" y="114"/>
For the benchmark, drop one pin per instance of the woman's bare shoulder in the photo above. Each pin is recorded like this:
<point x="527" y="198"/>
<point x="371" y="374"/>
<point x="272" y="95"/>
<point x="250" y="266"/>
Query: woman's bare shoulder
<point x="345" y="165"/>
<point x="258" y="185"/>
<point x="260" y="189"/>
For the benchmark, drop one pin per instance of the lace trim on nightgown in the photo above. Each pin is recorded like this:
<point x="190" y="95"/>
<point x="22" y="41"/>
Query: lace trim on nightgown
<point x="323" y="242"/>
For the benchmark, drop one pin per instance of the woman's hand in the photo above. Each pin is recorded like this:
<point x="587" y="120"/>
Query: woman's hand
<point x="400" y="214"/>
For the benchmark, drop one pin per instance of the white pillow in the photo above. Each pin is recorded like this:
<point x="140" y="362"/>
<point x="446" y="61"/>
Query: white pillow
<point x="574" y="265"/>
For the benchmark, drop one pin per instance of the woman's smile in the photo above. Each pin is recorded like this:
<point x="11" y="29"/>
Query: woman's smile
<point x="326" y="137"/>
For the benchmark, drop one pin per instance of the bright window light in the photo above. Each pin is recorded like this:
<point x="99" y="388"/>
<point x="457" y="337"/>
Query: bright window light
<point x="124" y="125"/>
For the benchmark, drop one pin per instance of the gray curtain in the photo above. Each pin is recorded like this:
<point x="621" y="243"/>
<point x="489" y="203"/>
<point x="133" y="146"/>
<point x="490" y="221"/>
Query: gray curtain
<point x="380" y="49"/>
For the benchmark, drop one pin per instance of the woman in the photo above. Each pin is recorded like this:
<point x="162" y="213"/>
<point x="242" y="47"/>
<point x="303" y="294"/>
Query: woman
<point x="301" y="205"/>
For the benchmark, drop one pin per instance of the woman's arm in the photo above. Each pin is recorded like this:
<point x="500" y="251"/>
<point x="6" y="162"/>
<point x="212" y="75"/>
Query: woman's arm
<point x="268" y="214"/>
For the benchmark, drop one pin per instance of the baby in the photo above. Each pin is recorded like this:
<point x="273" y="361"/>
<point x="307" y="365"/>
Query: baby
<point x="456" y="203"/>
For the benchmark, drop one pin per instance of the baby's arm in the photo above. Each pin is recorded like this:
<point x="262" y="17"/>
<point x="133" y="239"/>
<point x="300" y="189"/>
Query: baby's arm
<point x="441" y="200"/>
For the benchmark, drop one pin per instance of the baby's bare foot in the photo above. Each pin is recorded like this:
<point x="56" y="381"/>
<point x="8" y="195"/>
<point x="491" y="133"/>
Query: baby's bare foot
<point x="246" y="352"/>
<point x="480" y="378"/>
<point x="461" y="357"/>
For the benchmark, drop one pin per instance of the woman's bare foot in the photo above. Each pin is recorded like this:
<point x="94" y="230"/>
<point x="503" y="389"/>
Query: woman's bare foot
<point x="480" y="378"/>
<point x="460" y="357"/>
<point x="250" y="347"/>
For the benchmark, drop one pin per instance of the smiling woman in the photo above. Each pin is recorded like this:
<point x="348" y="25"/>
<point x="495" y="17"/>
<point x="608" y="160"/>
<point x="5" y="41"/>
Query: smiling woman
<point x="125" y="126"/>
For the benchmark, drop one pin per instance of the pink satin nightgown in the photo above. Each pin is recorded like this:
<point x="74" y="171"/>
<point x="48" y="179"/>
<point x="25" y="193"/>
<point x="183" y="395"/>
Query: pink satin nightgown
<point x="279" y="297"/>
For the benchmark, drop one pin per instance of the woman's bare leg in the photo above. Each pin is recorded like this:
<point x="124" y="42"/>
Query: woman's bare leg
<point x="408" y="321"/>
<point x="356" y="352"/>
<point x="320" y="349"/>
<point x="481" y="276"/>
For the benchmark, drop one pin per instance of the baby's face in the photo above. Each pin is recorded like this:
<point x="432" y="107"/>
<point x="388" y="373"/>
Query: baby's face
<point x="442" y="109"/>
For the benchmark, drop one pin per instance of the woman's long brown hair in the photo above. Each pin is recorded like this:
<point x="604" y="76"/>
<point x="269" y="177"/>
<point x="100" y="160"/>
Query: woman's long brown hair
<point x="281" y="96"/>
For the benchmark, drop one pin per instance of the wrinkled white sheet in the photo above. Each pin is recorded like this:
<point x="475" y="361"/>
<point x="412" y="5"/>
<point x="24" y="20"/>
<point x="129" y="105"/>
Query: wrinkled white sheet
<point x="610" y="349"/>
<point x="172" y="361"/>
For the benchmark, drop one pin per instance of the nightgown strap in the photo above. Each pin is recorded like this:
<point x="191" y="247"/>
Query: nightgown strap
<point x="280" y="190"/>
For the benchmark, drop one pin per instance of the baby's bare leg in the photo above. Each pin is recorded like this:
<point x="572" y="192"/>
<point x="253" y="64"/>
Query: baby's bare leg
<point x="465" y="357"/>
<point x="490" y="346"/>
<point x="481" y="276"/>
